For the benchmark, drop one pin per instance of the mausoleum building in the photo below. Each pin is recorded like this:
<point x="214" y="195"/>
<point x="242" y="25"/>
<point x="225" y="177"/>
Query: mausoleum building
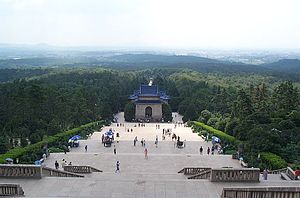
<point x="148" y="102"/>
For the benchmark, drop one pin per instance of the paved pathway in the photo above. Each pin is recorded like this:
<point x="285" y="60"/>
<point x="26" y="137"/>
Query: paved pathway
<point x="155" y="177"/>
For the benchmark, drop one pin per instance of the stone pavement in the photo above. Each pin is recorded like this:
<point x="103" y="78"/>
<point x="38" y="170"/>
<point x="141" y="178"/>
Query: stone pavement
<point x="155" y="177"/>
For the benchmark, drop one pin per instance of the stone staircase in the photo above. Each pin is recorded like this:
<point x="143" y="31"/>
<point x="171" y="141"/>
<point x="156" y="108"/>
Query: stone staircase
<point x="50" y="172"/>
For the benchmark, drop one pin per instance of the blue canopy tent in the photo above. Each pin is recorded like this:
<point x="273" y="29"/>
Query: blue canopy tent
<point x="75" y="137"/>
<point x="109" y="134"/>
<point x="73" y="141"/>
<point x="215" y="139"/>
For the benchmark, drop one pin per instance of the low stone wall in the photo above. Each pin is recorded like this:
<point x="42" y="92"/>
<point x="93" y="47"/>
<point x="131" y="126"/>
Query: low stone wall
<point x="193" y="171"/>
<point x="20" y="171"/>
<point x="290" y="173"/>
<point x="265" y="192"/>
<point x="235" y="175"/>
<point x="50" y="172"/>
<point x="205" y="174"/>
<point x="11" y="190"/>
<point x="80" y="169"/>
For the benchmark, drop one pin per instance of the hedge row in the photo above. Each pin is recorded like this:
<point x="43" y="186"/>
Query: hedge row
<point x="33" y="148"/>
<point x="223" y="136"/>
<point x="272" y="161"/>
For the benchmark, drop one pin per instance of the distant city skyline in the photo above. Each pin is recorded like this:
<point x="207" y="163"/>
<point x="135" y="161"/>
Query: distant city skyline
<point x="189" y="24"/>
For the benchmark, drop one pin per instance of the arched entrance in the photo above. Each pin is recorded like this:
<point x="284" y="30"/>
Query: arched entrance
<point x="148" y="112"/>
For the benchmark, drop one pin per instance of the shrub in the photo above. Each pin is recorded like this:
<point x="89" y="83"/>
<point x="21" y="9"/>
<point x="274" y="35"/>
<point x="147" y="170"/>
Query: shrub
<point x="55" y="150"/>
<point x="271" y="161"/>
<point x="33" y="151"/>
<point x="223" y="136"/>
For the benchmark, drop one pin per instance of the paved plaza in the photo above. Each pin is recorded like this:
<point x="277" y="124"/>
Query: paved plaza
<point x="139" y="177"/>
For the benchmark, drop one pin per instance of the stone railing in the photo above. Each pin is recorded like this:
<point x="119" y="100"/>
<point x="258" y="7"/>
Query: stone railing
<point x="20" y="171"/>
<point x="50" y="172"/>
<point x="272" y="192"/>
<point x="81" y="169"/>
<point x="278" y="171"/>
<point x="290" y="173"/>
<point x="235" y="175"/>
<point x="11" y="190"/>
<point x="192" y="171"/>
<point x="205" y="174"/>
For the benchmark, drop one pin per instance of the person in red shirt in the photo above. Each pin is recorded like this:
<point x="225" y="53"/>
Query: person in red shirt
<point x="297" y="174"/>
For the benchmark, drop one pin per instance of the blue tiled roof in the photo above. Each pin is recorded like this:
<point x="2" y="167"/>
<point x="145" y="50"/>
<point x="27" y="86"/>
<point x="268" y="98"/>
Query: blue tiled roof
<point x="148" y="90"/>
<point x="148" y="101"/>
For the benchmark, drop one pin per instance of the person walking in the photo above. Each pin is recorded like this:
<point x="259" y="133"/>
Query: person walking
<point x="212" y="150"/>
<point x="85" y="148"/>
<point x="208" y="150"/>
<point x="63" y="163"/>
<point x="265" y="174"/>
<point x="117" y="167"/>
<point x="146" y="153"/>
<point x="144" y="143"/>
<point x="201" y="150"/>
<point x="115" y="150"/>
<point x="56" y="164"/>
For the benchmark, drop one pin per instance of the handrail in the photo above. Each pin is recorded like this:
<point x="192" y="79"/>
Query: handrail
<point x="50" y="172"/>
<point x="274" y="192"/>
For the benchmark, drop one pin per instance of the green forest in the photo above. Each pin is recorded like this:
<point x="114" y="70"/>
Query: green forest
<point x="262" y="112"/>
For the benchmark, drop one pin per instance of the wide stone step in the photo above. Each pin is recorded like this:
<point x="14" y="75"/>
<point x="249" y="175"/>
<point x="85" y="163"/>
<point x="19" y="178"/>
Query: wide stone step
<point x="138" y="176"/>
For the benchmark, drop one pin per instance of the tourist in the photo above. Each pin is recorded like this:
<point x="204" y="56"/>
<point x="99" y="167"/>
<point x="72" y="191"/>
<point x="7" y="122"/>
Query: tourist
<point x="70" y="164"/>
<point x="63" y="163"/>
<point x="118" y="167"/>
<point x="44" y="157"/>
<point x="135" y="140"/>
<point x="265" y="174"/>
<point x="142" y="141"/>
<point x="56" y="164"/>
<point x="115" y="150"/>
<point x="102" y="138"/>
<point x="201" y="150"/>
<point x="85" y="148"/>
<point x="208" y="150"/>
<point x="146" y="153"/>
<point x="212" y="150"/>
<point x="131" y="130"/>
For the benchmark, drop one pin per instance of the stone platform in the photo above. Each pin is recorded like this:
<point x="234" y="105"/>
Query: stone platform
<point x="139" y="177"/>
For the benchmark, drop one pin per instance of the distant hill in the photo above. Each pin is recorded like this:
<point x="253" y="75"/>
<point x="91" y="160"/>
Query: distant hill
<point x="285" y="65"/>
<point x="170" y="59"/>
<point x="135" y="61"/>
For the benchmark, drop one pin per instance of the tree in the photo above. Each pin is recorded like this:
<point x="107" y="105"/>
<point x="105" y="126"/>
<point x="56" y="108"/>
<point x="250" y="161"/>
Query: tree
<point x="129" y="112"/>
<point x="166" y="112"/>
<point x="4" y="145"/>
<point x="205" y="115"/>
<point x="286" y="97"/>
<point x="190" y="113"/>
<point x="243" y="105"/>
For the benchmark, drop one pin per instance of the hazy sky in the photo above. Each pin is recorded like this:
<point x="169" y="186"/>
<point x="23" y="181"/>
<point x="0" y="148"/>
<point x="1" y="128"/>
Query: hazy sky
<point x="152" y="23"/>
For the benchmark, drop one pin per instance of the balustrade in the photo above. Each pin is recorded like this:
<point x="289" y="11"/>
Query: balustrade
<point x="235" y="175"/>
<point x="11" y="190"/>
<point x="266" y="192"/>
<point x="20" y="171"/>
